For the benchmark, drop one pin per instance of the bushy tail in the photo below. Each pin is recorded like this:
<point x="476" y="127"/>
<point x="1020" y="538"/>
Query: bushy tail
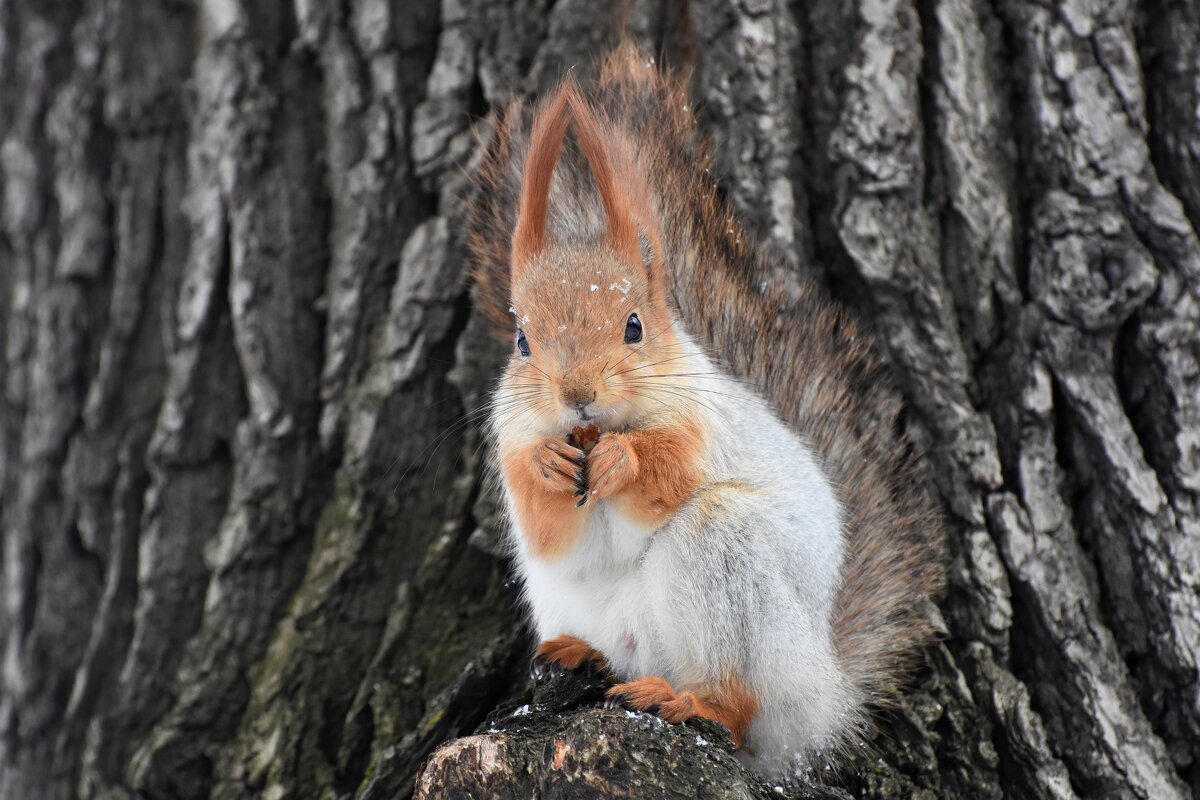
<point x="809" y="359"/>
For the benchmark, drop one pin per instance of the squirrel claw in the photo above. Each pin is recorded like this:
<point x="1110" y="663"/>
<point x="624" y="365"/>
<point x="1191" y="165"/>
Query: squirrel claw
<point x="582" y="500"/>
<point x="540" y="666"/>
<point x="616" y="701"/>
<point x="623" y="701"/>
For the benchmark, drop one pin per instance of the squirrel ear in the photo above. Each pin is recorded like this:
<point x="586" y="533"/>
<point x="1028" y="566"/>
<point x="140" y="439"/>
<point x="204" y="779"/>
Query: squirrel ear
<point x="545" y="142"/>
<point x="603" y="151"/>
<point x="630" y="230"/>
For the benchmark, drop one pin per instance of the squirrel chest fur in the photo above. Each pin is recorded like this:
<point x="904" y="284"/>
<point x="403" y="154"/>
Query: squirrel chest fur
<point x="744" y="541"/>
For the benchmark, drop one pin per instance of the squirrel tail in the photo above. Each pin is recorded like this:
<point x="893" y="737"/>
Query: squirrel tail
<point x="812" y="362"/>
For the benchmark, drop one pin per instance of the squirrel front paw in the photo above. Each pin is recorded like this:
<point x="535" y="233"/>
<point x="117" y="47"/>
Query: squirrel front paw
<point x="611" y="465"/>
<point x="567" y="653"/>
<point x="560" y="466"/>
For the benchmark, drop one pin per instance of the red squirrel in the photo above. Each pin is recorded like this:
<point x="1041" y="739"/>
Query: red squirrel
<point x="746" y="540"/>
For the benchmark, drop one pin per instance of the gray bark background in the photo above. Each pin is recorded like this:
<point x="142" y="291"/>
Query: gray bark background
<point x="246" y="549"/>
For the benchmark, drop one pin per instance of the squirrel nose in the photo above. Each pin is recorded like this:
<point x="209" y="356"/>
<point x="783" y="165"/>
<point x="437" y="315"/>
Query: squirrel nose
<point x="580" y="403"/>
<point x="578" y="395"/>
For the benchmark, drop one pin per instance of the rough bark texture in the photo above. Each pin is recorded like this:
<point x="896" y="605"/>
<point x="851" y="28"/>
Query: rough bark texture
<point x="247" y="548"/>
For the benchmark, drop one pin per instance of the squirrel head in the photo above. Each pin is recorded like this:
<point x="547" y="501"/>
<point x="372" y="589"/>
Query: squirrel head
<point x="593" y="329"/>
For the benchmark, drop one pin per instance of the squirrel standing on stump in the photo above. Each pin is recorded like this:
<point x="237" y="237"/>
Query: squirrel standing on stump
<point x="745" y="540"/>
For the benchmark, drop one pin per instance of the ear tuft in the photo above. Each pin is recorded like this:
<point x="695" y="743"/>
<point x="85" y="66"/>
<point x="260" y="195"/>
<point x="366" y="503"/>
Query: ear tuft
<point x="545" y="142"/>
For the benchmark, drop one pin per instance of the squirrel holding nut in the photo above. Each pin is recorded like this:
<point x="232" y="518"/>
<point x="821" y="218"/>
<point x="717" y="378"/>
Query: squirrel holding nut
<point x="707" y="492"/>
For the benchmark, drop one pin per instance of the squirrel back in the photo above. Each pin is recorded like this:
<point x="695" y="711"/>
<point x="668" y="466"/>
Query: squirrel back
<point x="804" y="355"/>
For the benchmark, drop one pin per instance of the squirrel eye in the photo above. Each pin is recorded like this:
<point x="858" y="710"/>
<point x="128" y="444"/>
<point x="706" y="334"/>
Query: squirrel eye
<point x="522" y="345"/>
<point x="633" y="330"/>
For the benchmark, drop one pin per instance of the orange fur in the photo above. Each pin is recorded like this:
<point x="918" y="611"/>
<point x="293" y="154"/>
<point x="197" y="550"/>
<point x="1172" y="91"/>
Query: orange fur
<point x="612" y="465"/>
<point x="545" y="141"/>
<point x="728" y="702"/>
<point x="570" y="652"/>
<point x="667" y="464"/>
<point x="584" y="357"/>
<point x="543" y="496"/>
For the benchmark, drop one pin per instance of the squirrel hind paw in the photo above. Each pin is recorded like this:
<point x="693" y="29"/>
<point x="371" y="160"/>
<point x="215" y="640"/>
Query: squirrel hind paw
<point x="647" y="694"/>
<point x="729" y="703"/>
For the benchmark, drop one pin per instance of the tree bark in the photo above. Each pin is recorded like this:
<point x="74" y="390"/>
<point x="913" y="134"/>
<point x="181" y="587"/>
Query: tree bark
<point x="248" y="545"/>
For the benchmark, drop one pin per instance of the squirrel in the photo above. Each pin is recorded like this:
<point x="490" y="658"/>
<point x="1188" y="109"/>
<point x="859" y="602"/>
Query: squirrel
<point x="747" y="540"/>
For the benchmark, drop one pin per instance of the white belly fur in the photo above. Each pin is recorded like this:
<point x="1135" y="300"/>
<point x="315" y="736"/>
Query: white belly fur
<point x="596" y="592"/>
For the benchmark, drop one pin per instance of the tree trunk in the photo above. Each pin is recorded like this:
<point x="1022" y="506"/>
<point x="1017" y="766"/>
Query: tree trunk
<point x="247" y="545"/>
